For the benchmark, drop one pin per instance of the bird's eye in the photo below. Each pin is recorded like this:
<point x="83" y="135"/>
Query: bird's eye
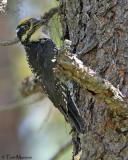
<point x="25" y="27"/>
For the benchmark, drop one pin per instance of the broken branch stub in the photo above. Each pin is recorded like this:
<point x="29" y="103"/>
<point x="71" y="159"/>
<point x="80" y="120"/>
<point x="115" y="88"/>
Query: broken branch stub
<point x="69" y="66"/>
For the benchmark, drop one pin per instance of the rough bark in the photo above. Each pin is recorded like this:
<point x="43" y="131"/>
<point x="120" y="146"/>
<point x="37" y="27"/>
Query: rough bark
<point x="99" y="34"/>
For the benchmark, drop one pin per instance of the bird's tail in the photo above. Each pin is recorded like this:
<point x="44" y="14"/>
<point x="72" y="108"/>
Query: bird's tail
<point x="75" y="116"/>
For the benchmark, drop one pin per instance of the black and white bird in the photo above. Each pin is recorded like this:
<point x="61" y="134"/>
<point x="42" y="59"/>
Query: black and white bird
<point x="41" y="53"/>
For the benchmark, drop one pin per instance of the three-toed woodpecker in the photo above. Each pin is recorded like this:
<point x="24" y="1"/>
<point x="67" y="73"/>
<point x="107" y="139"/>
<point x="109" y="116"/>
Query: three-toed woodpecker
<point x="41" y="54"/>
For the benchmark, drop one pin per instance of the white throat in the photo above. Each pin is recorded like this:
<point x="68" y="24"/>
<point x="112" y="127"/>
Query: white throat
<point x="38" y="35"/>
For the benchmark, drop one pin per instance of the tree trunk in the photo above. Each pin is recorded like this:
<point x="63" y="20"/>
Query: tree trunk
<point x="99" y="29"/>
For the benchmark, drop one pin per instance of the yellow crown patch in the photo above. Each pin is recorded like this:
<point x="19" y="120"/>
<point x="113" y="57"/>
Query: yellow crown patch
<point x="24" y="20"/>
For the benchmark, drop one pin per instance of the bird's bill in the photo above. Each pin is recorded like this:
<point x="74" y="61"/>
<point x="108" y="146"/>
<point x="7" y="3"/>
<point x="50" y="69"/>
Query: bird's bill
<point x="37" y="24"/>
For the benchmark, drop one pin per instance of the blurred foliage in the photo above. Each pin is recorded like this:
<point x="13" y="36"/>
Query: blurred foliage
<point x="37" y="139"/>
<point x="55" y="30"/>
<point x="23" y="66"/>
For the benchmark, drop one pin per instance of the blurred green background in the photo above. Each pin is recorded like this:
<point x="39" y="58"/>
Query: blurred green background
<point x="34" y="129"/>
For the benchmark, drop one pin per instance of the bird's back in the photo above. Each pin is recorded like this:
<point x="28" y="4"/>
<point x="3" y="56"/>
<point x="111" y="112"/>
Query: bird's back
<point x="42" y="59"/>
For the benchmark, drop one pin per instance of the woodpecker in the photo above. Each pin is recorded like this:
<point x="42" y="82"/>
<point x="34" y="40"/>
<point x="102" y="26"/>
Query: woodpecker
<point x="41" y="54"/>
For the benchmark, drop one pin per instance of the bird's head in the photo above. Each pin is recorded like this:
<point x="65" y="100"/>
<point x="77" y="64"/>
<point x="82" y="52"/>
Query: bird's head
<point x="29" y="30"/>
